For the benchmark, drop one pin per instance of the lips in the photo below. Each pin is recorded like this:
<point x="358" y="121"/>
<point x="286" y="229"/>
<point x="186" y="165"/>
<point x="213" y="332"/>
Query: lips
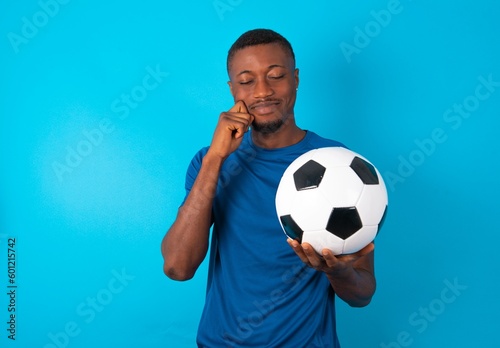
<point x="263" y="108"/>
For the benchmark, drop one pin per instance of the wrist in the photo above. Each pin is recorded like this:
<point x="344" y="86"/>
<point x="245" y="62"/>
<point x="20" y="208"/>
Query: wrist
<point x="343" y="274"/>
<point x="213" y="160"/>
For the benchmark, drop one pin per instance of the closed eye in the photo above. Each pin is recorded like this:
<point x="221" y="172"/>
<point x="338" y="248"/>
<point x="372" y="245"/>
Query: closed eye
<point x="277" y="77"/>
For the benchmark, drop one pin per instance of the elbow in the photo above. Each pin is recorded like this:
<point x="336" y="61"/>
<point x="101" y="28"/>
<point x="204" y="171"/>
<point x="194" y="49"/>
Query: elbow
<point x="359" y="303"/>
<point x="177" y="273"/>
<point x="179" y="265"/>
<point x="173" y="265"/>
<point x="177" y="270"/>
<point x="362" y="300"/>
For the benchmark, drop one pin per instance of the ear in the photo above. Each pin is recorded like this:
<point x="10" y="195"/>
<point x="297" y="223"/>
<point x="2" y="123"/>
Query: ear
<point x="296" y="76"/>
<point x="230" y="88"/>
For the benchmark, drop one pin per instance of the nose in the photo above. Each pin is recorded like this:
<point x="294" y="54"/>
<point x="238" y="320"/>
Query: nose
<point x="262" y="89"/>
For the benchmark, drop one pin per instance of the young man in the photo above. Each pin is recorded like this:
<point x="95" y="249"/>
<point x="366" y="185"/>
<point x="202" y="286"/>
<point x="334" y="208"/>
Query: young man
<point x="261" y="292"/>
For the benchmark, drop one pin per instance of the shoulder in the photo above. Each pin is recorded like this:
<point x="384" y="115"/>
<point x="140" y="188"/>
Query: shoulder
<point x="319" y="141"/>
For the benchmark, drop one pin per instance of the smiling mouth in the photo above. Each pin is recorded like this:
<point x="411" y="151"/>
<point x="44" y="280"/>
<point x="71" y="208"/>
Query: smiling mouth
<point x="264" y="108"/>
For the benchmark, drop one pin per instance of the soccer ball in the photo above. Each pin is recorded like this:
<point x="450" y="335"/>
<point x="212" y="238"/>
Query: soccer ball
<point x="332" y="198"/>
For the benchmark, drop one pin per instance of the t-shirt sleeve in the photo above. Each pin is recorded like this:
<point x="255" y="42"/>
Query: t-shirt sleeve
<point x="192" y="171"/>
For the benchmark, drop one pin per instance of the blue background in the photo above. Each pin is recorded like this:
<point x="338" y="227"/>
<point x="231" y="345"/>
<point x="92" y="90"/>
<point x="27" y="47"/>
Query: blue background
<point x="89" y="184"/>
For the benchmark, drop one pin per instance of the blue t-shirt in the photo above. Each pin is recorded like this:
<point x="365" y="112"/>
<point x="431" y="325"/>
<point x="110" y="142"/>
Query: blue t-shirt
<point x="259" y="293"/>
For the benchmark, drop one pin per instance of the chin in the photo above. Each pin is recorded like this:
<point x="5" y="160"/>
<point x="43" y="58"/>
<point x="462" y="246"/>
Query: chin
<point x="267" y="127"/>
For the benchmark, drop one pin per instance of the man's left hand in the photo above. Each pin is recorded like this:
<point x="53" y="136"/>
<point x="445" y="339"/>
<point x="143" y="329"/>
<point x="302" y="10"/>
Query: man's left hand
<point x="333" y="265"/>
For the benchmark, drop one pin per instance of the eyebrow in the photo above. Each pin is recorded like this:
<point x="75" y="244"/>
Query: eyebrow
<point x="269" y="67"/>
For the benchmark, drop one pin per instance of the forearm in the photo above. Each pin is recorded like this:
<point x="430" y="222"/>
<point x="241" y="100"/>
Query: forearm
<point x="356" y="287"/>
<point x="186" y="243"/>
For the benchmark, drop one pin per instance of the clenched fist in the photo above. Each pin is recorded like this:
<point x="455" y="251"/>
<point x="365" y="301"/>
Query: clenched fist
<point x="230" y="129"/>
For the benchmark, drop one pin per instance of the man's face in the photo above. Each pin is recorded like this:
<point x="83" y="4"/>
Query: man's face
<point x="265" y="79"/>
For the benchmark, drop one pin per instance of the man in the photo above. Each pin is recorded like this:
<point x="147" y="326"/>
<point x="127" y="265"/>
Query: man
<point x="261" y="292"/>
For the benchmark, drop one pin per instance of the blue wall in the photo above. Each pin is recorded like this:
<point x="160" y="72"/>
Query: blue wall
<point x="103" y="104"/>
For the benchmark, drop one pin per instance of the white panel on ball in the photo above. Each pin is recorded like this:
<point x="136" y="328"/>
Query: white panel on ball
<point x="372" y="204"/>
<point x="310" y="210"/>
<point x="331" y="198"/>
<point x="340" y="187"/>
<point x="323" y="239"/>
<point x="362" y="238"/>
<point x="334" y="156"/>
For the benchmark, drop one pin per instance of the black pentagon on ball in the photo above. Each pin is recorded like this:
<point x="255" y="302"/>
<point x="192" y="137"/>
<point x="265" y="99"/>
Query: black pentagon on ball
<point x="291" y="228"/>
<point x="365" y="171"/>
<point x="381" y="223"/>
<point x="308" y="176"/>
<point x="344" y="222"/>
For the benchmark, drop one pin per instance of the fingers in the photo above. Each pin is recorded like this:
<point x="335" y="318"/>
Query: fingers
<point x="357" y="255"/>
<point x="328" y="262"/>
<point x="230" y="129"/>
<point x="334" y="261"/>
<point x="239" y="119"/>
<point x="366" y="250"/>
<point x="298" y="250"/>
<point x="239" y="107"/>
<point x="307" y="254"/>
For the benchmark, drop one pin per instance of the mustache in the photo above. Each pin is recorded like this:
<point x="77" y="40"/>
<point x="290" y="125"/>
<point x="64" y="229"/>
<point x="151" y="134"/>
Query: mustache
<point x="264" y="101"/>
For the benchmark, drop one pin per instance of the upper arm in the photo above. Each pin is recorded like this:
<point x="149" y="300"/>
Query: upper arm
<point x="192" y="172"/>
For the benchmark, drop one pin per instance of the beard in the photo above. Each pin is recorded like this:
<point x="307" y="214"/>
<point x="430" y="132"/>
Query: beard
<point x="267" y="127"/>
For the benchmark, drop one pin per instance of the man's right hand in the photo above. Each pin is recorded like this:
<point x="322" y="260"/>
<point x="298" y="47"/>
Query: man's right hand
<point x="230" y="129"/>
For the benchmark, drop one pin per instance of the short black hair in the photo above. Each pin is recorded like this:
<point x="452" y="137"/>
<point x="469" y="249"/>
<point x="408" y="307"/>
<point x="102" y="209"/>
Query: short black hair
<point x="256" y="37"/>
